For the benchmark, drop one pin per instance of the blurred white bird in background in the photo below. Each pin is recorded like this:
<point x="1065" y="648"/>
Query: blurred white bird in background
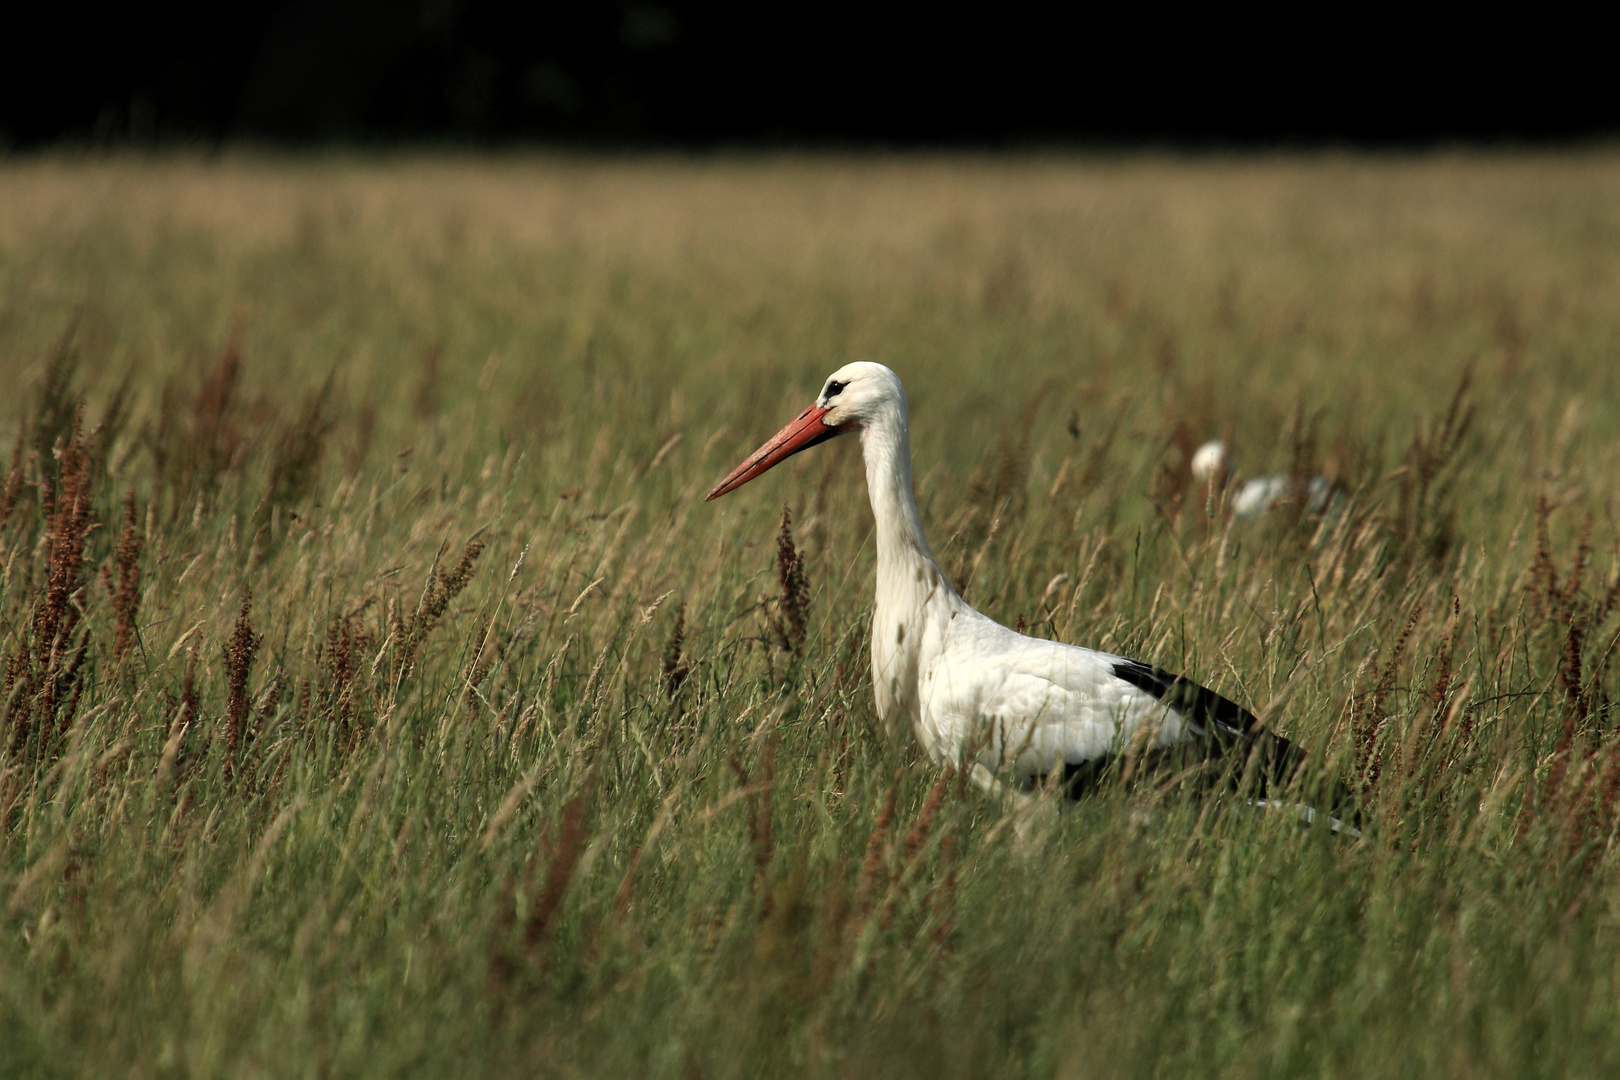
<point x="1212" y="467"/>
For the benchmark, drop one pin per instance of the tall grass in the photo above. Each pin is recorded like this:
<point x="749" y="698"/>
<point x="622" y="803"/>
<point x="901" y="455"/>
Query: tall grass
<point x="380" y="697"/>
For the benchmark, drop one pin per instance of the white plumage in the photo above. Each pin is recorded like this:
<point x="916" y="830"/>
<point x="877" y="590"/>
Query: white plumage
<point x="974" y="692"/>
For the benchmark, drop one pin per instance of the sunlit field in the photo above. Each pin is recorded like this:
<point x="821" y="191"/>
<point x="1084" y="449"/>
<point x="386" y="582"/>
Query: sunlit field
<point x="381" y="697"/>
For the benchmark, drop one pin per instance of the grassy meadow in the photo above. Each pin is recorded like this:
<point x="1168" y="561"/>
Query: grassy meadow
<point x="380" y="697"/>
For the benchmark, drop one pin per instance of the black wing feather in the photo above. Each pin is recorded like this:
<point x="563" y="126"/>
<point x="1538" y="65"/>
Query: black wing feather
<point x="1224" y="725"/>
<point x="1229" y="733"/>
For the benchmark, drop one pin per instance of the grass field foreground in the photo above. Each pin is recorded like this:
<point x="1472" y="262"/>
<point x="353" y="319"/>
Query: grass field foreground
<point x="381" y="698"/>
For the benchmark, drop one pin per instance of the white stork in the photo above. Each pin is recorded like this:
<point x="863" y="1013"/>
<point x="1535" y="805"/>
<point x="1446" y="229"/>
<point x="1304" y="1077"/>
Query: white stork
<point x="1211" y="466"/>
<point x="975" y="693"/>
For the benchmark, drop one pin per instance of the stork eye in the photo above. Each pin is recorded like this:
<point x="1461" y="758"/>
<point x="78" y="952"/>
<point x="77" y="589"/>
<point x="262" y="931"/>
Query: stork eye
<point x="835" y="388"/>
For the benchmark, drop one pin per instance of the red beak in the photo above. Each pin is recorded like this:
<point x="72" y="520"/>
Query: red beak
<point x="805" y="431"/>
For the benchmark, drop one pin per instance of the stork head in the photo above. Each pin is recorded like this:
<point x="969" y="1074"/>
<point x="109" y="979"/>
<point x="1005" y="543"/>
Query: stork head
<point x="852" y="397"/>
<point x="1209" y="463"/>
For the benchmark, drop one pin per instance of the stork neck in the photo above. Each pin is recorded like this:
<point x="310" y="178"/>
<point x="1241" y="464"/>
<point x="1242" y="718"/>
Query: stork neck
<point x="886" y="445"/>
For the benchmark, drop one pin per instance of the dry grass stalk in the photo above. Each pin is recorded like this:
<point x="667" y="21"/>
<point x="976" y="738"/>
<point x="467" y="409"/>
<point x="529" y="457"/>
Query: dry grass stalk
<point x="42" y="681"/>
<point x="570" y="846"/>
<point x="442" y="587"/>
<point x="1443" y="690"/>
<point x="1542" y="581"/>
<point x="295" y="462"/>
<point x="1172" y="479"/>
<point x="427" y="391"/>
<point x="338" y="661"/>
<point x="918" y="836"/>
<point x="760" y="840"/>
<point x="942" y="900"/>
<point x="239" y="653"/>
<point x="1444" y="670"/>
<point x="127" y="588"/>
<point x="199" y="435"/>
<point x="627" y="886"/>
<point x="58" y="410"/>
<point x="177" y="759"/>
<point x="189" y="704"/>
<point x="269" y="701"/>
<point x="874" y="871"/>
<point x="502" y="971"/>
<point x="1426" y="516"/>
<point x="183" y="713"/>
<point x="911" y="849"/>
<point x="1445" y="680"/>
<point x="852" y="667"/>
<point x="1302" y="437"/>
<point x="676" y="668"/>
<point x="1557" y="604"/>
<point x="1581" y="788"/>
<point x="1371" y="720"/>
<point x="1570" y="671"/>
<point x="486" y="654"/>
<point x="792" y="607"/>
<point x="759" y="822"/>
<point x="211" y="408"/>
<point x="67" y="505"/>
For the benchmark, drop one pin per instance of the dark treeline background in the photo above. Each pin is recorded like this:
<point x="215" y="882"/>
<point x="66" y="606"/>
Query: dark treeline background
<point x="683" y="73"/>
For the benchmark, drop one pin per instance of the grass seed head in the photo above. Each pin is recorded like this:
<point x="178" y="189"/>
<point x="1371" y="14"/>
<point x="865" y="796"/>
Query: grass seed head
<point x="442" y="587"/>
<point x="676" y="667"/>
<point x="44" y="673"/>
<point x="793" y="604"/>
<point x="239" y="654"/>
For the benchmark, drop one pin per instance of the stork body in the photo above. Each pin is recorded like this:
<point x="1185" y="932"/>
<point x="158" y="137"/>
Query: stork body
<point x="972" y="691"/>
